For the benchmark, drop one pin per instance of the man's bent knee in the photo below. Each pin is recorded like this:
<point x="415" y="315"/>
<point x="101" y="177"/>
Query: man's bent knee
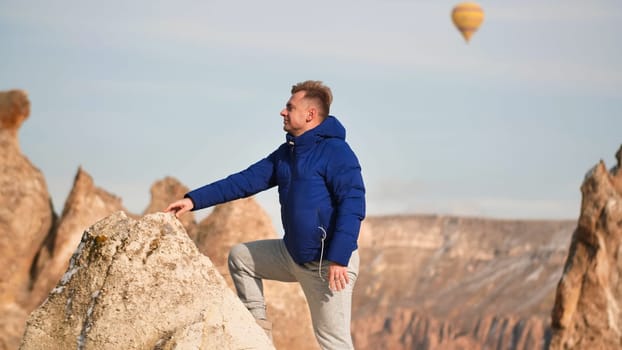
<point x="237" y="256"/>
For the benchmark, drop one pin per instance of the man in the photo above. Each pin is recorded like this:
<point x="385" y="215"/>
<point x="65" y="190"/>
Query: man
<point x="322" y="199"/>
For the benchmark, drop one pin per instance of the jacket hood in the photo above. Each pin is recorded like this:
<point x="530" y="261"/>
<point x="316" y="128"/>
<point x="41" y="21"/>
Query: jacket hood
<point x="329" y="128"/>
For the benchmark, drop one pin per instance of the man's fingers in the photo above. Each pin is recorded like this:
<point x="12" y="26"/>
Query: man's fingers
<point x="337" y="277"/>
<point x="332" y="280"/>
<point x="173" y="210"/>
<point x="173" y="207"/>
<point x="177" y="208"/>
<point x="342" y="282"/>
<point x="337" y="283"/>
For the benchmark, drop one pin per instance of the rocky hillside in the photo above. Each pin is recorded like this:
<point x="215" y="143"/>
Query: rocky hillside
<point x="435" y="281"/>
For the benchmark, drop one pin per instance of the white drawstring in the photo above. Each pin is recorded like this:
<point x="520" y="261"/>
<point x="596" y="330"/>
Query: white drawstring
<point x="322" y="251"/>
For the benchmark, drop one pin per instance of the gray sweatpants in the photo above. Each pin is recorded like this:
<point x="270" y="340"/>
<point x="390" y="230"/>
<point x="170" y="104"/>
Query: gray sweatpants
<point x="251" y="262"/>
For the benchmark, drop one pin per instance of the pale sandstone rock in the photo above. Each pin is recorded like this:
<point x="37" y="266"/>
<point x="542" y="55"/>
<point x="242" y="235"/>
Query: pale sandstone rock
<point x="242" y="221"/>
<point x="165" y="191"/>
<point x="588" y="308"/>
<point x="26" y="217"/>
<point x="85" y="205"/>
<point x="141" y="285"/>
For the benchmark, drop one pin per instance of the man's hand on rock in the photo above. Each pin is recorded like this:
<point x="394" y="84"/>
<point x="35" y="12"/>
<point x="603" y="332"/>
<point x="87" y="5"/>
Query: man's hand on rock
<point x="180" y="207"/>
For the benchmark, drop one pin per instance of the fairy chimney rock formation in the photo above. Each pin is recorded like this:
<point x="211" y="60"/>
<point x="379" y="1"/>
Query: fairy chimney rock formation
<point x="588" y="313"/>
<point x="141" y="284"/>
<point x="25" y="218"/>
<point x="166" y="191"/>
<point x="85" y="205"/>
<point x="14" y="109"/>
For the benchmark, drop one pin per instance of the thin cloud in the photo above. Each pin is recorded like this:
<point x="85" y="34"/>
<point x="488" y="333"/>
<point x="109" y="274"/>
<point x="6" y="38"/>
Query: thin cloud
<point x="394" y="45"/>
<point x="399" y="50"/>
<point x="478" y="207"/>
<point x="568" y="11"/>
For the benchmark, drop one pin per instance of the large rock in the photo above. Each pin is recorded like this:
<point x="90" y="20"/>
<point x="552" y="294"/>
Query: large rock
<point x="141" y="285"/>
<point x="26" y="217"/>
<point x="491" y="282"/>
<point x="588" y="308"/>
<point x="242" y="221"/>
<point x="165" y="191"/>
<point x="85" y="205"/>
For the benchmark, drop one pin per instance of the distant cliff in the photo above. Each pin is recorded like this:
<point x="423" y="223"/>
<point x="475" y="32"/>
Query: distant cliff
<point x="441" y="282"/>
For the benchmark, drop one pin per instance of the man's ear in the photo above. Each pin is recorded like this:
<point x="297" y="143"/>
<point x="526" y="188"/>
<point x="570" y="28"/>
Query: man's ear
<point x="311" y="114"/>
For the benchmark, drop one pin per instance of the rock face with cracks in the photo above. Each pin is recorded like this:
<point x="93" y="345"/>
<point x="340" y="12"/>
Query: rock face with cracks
<point x="141" y="285"/>
<point x="85" y="205"/>
<point x="588" y="304"/>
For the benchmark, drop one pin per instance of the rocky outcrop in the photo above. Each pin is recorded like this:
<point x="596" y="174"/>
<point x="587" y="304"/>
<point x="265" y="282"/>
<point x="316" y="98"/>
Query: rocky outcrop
<point x="459" y="272"/>
<point x="141" y="285"/>
<point x="26" y="216"/>
<point x="242" y="221"/>
<point x="588" y="308"/>
<point x="166" y="191"/>
<point x="85" y="205"/>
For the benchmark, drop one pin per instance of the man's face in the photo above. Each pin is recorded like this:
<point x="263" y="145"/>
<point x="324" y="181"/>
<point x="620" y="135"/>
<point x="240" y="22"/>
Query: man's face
<point x="295" y="114"/>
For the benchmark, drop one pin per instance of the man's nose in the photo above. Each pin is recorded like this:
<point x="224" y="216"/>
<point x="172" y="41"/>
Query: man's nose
<point x="284" y="112"/>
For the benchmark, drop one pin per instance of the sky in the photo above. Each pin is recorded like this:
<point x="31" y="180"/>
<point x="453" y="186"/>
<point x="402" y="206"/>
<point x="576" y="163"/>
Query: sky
<point x="506" y="126"/>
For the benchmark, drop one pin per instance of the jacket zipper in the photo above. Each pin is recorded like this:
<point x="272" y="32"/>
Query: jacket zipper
<point x="323" y="238"/>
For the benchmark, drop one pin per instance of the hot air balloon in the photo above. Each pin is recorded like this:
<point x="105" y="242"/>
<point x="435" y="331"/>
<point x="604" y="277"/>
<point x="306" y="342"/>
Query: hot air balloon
<point x="467" y="17"/>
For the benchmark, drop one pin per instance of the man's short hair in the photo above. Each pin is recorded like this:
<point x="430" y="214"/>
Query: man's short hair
<point x="316" y="90"/>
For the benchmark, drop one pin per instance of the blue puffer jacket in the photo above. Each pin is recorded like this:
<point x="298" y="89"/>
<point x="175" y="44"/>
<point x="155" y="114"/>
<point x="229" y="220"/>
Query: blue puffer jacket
<point x="321" y="192"/>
